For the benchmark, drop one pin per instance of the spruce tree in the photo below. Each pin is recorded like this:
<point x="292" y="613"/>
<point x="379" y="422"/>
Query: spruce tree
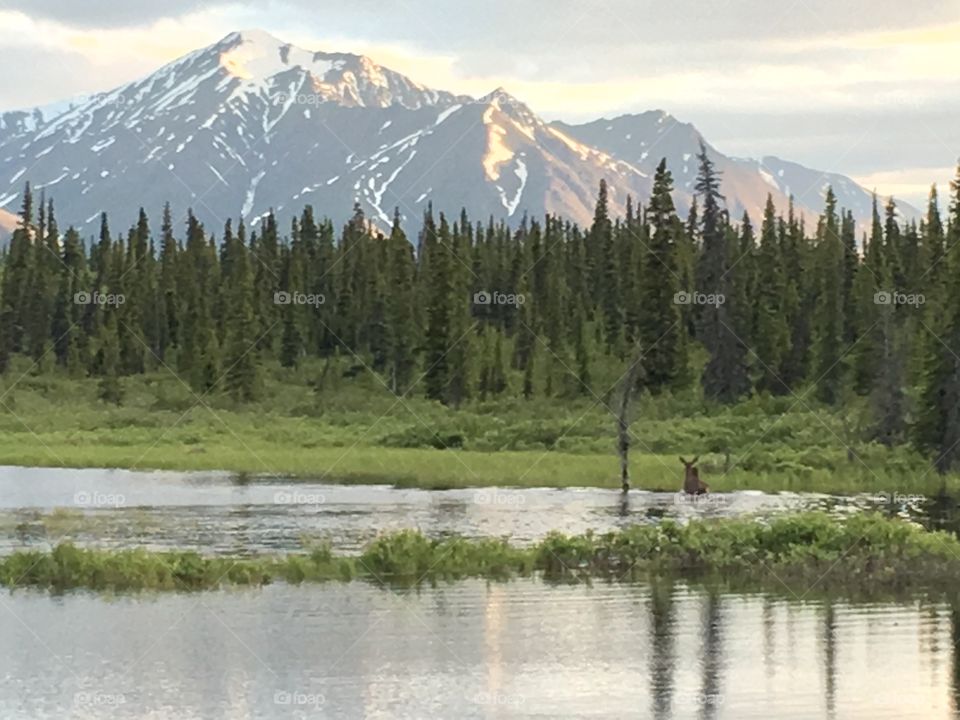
<point x="493" y="377"/>
<point x="772" y="336"/>
<point x="294" y="316"/>
<point x="933" y="255"/>
<point x="725" y="378"/>
<point x="199" y="359"/>
<point x="828" y="369"/>
<point x="888" y="399"/>
<point x="437" y="292"/>
<point x="632" y="241"/>
<point x="529" y="388"/>
<point x="265" y="261"/>
<point x="241" y="357"/>
<point x="799" y="298"/>
<point x="937" y="429"/>
<point x="851" y="263"/>
<point x="581" y="351"/>
<point x="168" y="291"/>
<point x="40" y="296"/>
<point x="872" y="279"/>
<point x="400" y="313"/>
<point x="67" y="313"/>
<point x="607" y="285"/>
<point x="742" y="282"/>
<point x="17" y="274"/>
<point x="462" y="349"/>
<point x="661" y="331"/>
<point x="110" y="389"/>
<point x="134" y="283"/>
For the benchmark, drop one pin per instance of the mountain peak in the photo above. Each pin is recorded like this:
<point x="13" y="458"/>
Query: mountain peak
<point x="499" y="95"/>
<point x="257" y="55"/>
<point x="262" y="63"/>
<point x="507" y="103"/>
<point x="252" y="35"/>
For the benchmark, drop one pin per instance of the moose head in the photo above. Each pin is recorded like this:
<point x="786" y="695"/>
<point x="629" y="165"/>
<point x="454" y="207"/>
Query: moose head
<point x="692" y="484"/>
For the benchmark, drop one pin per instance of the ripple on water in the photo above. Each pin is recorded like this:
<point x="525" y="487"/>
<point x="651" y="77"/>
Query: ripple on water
<point x="213" y="513"/>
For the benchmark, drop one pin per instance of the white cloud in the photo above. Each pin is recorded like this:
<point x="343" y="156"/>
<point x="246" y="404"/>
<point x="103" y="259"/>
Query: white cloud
<point x="879" y="90"/>
<point x="911" y="184"/>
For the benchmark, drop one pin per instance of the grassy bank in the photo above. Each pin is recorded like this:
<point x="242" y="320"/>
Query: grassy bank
<point x="862" y="556"/>
<point x="353" y="430"/>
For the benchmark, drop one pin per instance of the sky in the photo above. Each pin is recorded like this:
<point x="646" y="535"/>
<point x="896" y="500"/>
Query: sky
<point x="870" y="89"/>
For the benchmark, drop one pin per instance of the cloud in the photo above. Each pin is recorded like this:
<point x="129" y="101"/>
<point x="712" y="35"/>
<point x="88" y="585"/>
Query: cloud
<point x="857" y="87"/>
<point x="911" y="184"/>
<point x="107" y="13"/>
<point x="60" y="73"/>
<point x="64" y="62"/>
<point x="529" y="25"/>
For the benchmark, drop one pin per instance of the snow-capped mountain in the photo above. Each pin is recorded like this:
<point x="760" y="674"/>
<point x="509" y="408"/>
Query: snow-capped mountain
<point x="644" y="139"/>
<point x="251" y="123"/>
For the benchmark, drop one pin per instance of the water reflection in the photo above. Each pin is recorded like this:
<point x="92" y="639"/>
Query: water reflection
<point x="711" y="663"/>
<point x="829" y="643"/>
<point x="661" y="610"/>
<point x="955" y="644"/>
<point x="475" y="650"/>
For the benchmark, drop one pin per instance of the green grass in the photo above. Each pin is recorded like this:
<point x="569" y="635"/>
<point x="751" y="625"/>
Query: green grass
<point x="354" y="431"/>
<point x="865" y="555"/>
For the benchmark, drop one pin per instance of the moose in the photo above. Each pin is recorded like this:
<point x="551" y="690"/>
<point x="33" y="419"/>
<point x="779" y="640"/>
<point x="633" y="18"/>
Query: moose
<point x="692" y="484"/>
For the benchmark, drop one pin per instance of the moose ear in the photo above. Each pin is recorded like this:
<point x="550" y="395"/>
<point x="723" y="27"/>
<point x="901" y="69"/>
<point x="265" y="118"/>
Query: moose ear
<point x="684" y="461"/>
<point x="694" y="461"/>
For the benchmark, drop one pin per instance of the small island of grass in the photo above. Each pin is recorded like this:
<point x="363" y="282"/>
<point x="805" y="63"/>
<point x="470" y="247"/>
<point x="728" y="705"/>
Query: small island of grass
<point x="865" y="555"/>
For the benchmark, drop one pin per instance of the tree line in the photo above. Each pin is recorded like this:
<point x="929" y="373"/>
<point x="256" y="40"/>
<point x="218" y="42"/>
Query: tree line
<point x="480" y="309"/>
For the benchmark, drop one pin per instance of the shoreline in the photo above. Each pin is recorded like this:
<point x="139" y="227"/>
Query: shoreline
<point x="431" y="469"/>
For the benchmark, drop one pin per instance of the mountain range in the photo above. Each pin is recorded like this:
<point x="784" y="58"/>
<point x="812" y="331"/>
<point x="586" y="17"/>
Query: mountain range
<point x="251" y="124"/>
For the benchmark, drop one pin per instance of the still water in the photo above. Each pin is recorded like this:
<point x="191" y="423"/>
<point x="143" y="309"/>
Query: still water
<point x="524" y="649"/>
<point x="473" y="650"/>
<point x="215" y="513"/>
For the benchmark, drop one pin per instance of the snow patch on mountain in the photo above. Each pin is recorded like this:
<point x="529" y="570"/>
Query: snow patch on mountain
<point x="497" y="152"/>
<point x="252" y="193"/>
<point x="258" y="56"/>
<point x="511" y="205"/>
<point x="444" y="114"/>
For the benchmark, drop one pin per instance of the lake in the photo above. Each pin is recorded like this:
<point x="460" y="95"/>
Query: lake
<point x="471" y="649"/>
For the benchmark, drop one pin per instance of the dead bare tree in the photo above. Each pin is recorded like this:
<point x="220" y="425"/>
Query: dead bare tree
<point x="629" y="381"/>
